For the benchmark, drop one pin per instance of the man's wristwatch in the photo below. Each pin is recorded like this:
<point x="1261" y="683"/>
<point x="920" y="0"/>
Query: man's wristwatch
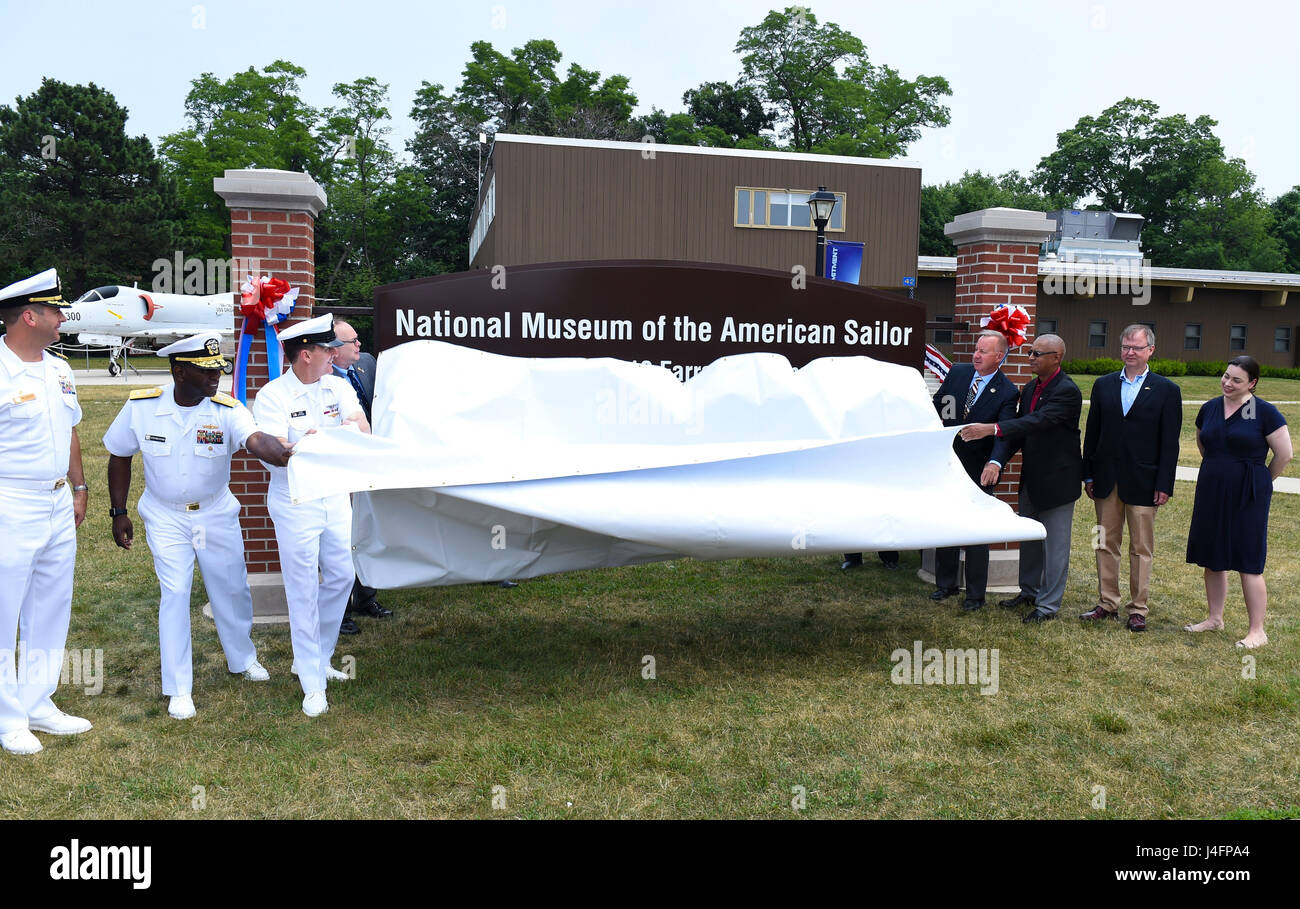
<point x="81" y="488"/>
<point x="114" y="512"/>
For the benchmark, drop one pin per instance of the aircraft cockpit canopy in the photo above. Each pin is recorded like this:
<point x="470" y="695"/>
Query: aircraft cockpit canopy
<point x="99" y="293"/>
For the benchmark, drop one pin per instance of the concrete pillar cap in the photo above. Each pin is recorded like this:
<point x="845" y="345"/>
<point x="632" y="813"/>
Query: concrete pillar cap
<point x="999" y="225"/>
<point x="270" y="190"/>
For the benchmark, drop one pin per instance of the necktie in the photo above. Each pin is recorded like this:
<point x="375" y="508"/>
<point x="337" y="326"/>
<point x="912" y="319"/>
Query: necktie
<point x="356" y="384"/>
<point x="970" y="397"/>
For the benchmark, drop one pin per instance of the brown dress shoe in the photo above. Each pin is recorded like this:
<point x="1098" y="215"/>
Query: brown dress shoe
<point x="1137" y="623"/>
<point x="1099" y="612"/>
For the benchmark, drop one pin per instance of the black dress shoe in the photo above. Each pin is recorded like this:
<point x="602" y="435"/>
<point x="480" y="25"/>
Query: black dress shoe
<point x="372" y="609"/>
<point x="1016" y="602"/>
<point x="889" y="560"/>
<point x="507" y="585"/>
<point x="942" y="593"/>
<point x="348" y="627"/>
<point x="1038" y="615"/>
<point x="971" y="605"/>
<point x="851" y="562"/>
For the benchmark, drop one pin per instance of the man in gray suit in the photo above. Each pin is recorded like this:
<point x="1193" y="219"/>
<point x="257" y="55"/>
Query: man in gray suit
<point x="359" y="370"/>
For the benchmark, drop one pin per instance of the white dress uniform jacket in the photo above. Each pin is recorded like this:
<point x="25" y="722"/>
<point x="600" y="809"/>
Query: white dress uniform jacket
<point x="189" y="511"/>
<point x="38" y="411"/>
<point x="310" y="535"/>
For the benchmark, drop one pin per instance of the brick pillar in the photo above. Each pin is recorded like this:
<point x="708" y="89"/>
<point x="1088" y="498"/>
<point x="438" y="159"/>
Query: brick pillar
<point x="997" y="262"/>
<point x="272" y="221"/>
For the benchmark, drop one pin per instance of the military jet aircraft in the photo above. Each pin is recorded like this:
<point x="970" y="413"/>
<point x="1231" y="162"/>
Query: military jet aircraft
<point x="126" y="319"/>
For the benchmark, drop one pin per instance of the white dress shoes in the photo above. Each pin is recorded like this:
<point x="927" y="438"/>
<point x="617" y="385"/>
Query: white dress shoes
<point x="256" y="672"/>
<point x="315" y="704"/>
<point x="181" y="707"/>
<point x="20" y="741"/>
<point x="59" y="723"/>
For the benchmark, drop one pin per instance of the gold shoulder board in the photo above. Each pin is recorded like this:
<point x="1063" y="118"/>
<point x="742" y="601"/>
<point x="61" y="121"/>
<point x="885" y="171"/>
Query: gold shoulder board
<point x="141" y="393"/>
<point x="224" y="399"/>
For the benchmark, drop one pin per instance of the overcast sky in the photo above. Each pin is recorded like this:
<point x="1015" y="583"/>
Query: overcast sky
<point x="1020" y="72"/>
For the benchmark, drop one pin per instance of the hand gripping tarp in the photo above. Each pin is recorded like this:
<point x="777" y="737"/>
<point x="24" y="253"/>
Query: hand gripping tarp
<point x="484" y="467"/>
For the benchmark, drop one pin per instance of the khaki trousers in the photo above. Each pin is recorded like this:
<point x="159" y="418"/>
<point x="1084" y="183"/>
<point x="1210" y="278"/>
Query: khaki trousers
<point x="1111" y="516"/>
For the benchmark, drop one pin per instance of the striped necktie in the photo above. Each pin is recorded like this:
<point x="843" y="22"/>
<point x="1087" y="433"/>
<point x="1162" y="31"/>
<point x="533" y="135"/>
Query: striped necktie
<point x="970" y="396"/>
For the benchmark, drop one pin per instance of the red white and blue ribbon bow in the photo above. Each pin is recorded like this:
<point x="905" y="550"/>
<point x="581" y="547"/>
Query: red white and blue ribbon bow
<point x="1008" y="321"/>
<point x="265" y="302"/>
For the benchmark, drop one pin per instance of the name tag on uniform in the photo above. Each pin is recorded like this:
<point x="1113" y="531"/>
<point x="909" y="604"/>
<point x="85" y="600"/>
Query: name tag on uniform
<point x="24" y="398"/>
<point x="67" y="386"/>
<point x="155" y="438"/>
<point x="297" y="413"/>
<point x="210" y="436"/>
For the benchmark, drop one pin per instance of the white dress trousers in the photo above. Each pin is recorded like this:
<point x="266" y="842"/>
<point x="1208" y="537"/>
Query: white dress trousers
<point x="38" y="538"/>
<point x="176" y="537"/>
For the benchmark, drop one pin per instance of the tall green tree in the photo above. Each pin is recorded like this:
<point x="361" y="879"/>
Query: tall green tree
<point x="354" y="235"/>
<point x="826" y="94"/>
<point x="77" y="193"/>
<point x="252" y="119"/>
<point x="1201" y="209"/>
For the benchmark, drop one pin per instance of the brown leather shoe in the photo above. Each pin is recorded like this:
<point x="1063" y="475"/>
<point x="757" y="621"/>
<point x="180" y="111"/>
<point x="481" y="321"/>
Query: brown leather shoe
<point x="1137" y="623"/>
<point x="1099" y="612"/>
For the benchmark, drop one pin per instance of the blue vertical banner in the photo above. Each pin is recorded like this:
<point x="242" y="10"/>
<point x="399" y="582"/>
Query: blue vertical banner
<point x="843" y="261"/>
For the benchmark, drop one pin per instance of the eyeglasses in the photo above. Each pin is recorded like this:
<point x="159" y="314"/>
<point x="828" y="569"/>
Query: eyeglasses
<point x="1129" y="348"/>
<point x="356" y="341"/>
<point x="1042" y="353"/>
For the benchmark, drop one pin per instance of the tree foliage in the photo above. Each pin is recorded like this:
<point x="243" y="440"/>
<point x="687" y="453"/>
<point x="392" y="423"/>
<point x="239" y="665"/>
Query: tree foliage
<point x="252" y="119"/>
<point x="77" y="193"/>
<point x="1201" y="209"/>
<point x="825" y="93"/>
<point x="973" y="192"/>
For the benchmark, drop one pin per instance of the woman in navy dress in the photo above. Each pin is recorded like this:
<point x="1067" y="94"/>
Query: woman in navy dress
<point x="1229" y="529"/>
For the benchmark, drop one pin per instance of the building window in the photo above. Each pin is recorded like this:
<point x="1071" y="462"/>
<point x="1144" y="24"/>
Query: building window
<point x="1192" y="336"/>
<point x="1097" y="334"/>
<point x="781" y="208"/>
<point x="487" y="211"/>
<point x="1237" y="337"/>
<point x="1046" y="327"/>
<point x="943" y="335"/>
<point x="1282" y="339"/>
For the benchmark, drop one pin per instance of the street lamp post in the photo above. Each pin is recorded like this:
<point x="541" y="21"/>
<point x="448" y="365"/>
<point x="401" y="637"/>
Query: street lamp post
<point x="822" y="204"/>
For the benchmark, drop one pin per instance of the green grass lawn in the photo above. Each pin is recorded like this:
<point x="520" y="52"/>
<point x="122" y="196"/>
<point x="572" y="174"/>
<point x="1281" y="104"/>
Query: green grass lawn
<point x="770" y="674"/>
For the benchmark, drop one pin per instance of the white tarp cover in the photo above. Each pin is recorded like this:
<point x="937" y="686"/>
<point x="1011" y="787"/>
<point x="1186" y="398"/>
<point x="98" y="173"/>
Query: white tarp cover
<point x="484" y="467"/>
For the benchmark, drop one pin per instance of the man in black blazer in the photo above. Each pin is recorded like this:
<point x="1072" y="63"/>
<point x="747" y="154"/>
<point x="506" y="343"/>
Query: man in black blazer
<point x="1046" y="430"/>
<point x="1130" y="453"/>
<point x="977" y="392"/>
<point x="359" y="370"/>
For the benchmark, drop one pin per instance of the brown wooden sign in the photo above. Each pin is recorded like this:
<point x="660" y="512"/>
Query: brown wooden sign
<point x="680" y="315"/>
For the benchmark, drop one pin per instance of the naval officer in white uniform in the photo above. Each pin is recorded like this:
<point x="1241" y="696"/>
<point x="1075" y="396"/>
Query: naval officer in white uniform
<point x="317" y="534"/>
<point x="188" y="433"/>
<point x="40" y="458"/>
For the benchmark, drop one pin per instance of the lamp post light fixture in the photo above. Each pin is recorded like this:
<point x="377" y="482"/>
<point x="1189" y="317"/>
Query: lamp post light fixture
<point x="822" y="204"/>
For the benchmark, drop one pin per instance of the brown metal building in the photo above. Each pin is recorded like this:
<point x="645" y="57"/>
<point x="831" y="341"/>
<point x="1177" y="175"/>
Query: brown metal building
<point x="557" y="200"/>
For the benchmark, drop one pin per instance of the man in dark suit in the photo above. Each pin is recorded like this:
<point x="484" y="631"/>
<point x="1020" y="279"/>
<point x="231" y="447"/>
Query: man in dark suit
<point x="1046" y="429"/>
<point x="1130" y="452"/>
<point x="977" y="392"/>
<point x="358" y="369"/>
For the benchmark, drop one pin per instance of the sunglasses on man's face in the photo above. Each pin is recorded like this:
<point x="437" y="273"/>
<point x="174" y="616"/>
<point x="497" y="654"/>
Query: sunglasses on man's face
<point x="1041" y="353"/>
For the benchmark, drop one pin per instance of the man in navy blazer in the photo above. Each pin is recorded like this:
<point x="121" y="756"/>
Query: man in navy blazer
<point x="977" y="392"/>
<point x="1046" y="430"/>
<point x="1130" y="453"/>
